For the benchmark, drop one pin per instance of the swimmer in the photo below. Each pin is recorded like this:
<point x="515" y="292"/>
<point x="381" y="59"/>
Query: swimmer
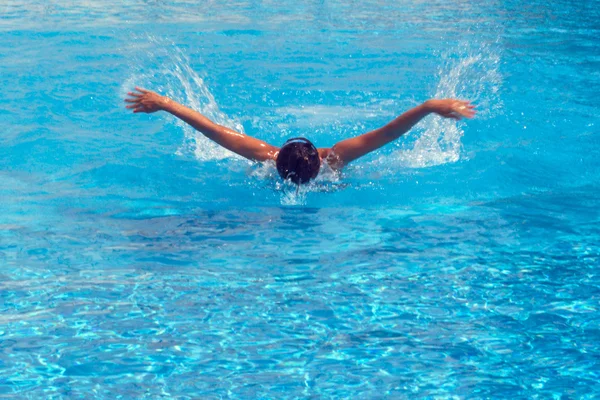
<point x="298" y="159"/>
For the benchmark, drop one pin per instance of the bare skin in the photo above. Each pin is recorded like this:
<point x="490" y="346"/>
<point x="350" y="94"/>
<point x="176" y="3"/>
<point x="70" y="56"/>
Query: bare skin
<point x="339" y="155"/>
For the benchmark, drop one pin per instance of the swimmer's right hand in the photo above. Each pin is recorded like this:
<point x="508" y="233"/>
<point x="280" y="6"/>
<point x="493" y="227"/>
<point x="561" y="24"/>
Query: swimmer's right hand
<point x="451" y="108"/>
<point x="145" y="101"/>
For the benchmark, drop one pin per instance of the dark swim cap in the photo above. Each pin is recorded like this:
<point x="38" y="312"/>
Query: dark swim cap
<point x="298" y="160"/>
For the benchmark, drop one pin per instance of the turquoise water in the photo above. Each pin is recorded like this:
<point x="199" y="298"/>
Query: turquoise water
<point x="138" y="260"/>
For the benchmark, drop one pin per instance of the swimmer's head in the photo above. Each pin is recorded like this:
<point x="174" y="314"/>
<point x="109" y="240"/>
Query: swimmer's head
<point x="298" y="160"/>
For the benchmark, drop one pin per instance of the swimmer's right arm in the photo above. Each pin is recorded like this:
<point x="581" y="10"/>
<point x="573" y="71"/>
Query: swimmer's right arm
<point x="147" y="101"/>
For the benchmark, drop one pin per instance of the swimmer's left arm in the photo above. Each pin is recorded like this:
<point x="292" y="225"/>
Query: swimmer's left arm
<point x="351" y="149"/>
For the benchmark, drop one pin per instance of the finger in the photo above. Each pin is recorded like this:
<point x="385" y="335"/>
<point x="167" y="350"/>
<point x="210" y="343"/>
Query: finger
<point x="135" y="108"/>
<point x="132" y="100"/>
<point x="135" y="94"/>
<point x="467" y="112"/>
<point x="139" y="89"/>
<point x="459" y="109"/>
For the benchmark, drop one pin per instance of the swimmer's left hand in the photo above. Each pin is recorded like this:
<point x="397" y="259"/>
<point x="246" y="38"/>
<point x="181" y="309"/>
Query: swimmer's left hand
<point x="145" y="101"/>
<point x="451" y="108"/>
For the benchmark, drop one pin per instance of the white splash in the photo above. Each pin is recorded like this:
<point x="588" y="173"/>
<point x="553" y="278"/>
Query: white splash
<point x="473" y="76"/>
<point x="176" y="79"/>
<point x="293" y="195"/>
<point x="328" y="180"/>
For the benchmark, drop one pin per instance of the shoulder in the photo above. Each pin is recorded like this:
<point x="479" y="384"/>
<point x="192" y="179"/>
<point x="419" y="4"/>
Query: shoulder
<point x="328" y="155"/>
<point x="324" y="152"/>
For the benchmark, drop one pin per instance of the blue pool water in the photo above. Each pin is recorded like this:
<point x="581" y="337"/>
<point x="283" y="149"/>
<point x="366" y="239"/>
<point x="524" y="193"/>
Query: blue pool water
<point x="138" y="260"/>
